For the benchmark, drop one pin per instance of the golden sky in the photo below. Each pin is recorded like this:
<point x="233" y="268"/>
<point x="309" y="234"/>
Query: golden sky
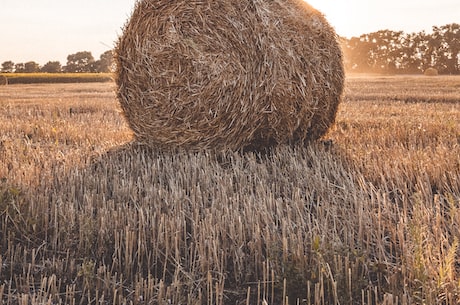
<point x="356" y="17"/>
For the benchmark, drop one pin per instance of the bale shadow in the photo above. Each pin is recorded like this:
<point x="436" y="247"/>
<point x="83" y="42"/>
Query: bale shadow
<point x="197" y="225"/>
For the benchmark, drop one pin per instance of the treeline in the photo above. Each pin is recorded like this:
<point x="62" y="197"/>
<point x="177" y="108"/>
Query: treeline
<point x="384" y="51"/>
<point x="398" y="52"/>
<point x="80" y="62"/>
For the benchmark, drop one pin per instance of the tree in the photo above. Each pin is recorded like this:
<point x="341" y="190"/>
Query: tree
<point x="412" y="53"/>
<point x="19" y="68"/>
<point x="31" y="67"/>
<point x="80" y="62"/>
<point x="396" y="52"/>
<point x="445" y="45"/>
<point x="52" y="67"/>
<point x="8" y="66"/>
<point x="105" y="64"/>
<point x="378" y="52"/>
<point x="357" y="52"/>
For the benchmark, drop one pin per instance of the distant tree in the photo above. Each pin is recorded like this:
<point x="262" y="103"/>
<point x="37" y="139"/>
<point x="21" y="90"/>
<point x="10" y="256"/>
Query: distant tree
<point x="413" y="48"/>
<point x="357" y="52"/>
<point x="52" y="67"/>
<point x="389" y="54"/>
<point x="445" y="46"/>
<point x="396" y="52"/>
<point x="80" y="62"/>
<point x="378" y="52"/>
<point x="19" y="68"/>
<point x="105" y="64"/>
<point x="31" y="67"/>
<point x="8" y="66"/>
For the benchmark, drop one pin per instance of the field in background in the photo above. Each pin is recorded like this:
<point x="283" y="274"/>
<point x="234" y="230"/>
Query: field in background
<point x="374" y="218"/>
<point x="53" y="78"/>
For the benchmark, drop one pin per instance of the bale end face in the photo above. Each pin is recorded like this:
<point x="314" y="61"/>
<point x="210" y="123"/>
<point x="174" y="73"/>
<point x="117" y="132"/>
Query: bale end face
<point x="3" y="80"/>
<point x="431" y="72"/>
<point x="225" y="75"/>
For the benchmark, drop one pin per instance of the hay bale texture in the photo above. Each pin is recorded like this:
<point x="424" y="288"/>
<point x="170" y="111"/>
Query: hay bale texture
<point x="3" y="80"/>
<point x="219" y="74"/>
<point x="431" y="72"/>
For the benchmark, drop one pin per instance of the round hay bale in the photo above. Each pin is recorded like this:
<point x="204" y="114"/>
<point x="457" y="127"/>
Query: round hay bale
<point x="3" y="80"/>
<point x="218" y="74"/>
<point x="431" y="72"/>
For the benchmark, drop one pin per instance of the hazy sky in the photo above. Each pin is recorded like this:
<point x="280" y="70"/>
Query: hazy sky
<point x="43" y="30"/>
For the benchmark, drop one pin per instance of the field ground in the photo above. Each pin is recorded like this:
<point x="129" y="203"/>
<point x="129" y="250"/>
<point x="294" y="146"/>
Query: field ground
<point x="86" y="217"/>
<point x="52" y="78"/>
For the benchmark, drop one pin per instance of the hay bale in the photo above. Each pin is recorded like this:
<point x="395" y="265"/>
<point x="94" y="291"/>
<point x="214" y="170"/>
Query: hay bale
<point x="3" y="80"/>
<point x="431" y="72"/>
<point x="218" y="74"/>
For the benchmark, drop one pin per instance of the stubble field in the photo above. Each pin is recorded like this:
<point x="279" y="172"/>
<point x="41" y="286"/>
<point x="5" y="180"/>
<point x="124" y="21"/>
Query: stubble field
<point x="370" y="217"/>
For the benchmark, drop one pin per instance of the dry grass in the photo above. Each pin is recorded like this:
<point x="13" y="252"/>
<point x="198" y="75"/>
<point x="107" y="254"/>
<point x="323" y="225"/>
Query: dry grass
<point x="86" y="217"/>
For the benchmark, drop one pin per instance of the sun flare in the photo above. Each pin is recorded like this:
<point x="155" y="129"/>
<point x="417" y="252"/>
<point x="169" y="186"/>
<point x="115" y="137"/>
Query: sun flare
<point x="344" y="16"/>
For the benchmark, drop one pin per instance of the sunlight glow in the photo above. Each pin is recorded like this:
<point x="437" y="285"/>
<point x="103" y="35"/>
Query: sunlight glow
<point x="342" y="15"/>
<point x="357" y="17"/>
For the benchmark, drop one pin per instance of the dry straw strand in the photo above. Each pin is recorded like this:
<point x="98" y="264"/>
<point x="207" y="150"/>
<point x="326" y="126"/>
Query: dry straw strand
<point x="217" y="74"/>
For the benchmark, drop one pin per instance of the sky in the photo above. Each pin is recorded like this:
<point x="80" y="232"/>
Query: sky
<point x="49" y="30"/>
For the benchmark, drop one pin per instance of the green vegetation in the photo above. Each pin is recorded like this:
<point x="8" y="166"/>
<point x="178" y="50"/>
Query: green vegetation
<point x="86" y="217"/>
<point x="35" y="78"/>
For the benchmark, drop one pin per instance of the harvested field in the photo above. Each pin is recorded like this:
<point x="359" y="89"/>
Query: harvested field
<point x="406" y="89"/>
<point x="373" y="217"/>
<point x="54" y="78"/>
